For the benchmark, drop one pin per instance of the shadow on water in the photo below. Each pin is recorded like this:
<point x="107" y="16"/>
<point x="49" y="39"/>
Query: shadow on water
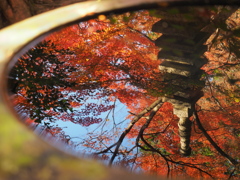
<point x="154" y="90"/>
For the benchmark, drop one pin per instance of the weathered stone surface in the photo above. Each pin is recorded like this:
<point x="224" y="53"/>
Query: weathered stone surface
<point x="184" y="130"/>
<point x="186" y="152"/>
<point x="198" y="62"/>
<point x="176" y="68"/>
<point x="182" y="109"/>
<point x="192" y="96"/>
<point x="174" y="55"/>
<point x="184" y="94"/>
<point x="182" y="67"/>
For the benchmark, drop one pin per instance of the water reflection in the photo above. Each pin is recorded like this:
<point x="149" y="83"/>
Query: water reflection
<point x="152" y="90"/>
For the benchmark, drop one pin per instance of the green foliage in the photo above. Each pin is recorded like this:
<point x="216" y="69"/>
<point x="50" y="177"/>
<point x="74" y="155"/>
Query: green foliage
<point x="113" y="20"/>
<point x="154" y="13"/>
<point x="121" y="18"/>
<point x="164" y="151"/>
<point x="206" y="151"/>
<point x="126" y="18"/>
<point x="153" y="35"/>
<point x="173" y="10"/>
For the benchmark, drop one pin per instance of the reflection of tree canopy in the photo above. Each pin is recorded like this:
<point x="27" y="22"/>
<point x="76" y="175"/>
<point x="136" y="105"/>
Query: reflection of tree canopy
<point x="41" y="81"/>
<point x="38" y="77"/>
<point x="114" y="60"/>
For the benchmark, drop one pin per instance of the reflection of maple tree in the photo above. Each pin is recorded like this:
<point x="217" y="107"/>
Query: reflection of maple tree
<point x="115" y="59"/>
<point x="41" y="86"/>
<point x="38" y="77"/>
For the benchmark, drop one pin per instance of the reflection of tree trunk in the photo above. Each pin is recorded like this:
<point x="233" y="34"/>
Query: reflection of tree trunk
<point x="12" y="11"/>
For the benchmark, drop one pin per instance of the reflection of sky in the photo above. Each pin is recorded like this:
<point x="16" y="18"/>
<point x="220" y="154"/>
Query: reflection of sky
<point x="111" y="120"/>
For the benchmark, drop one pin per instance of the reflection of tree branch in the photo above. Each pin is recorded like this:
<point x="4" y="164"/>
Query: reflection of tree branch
<point x="214" y="39"/>
<point x="157" y="133"/>
<point x="195" y="130"/>
<point x="96" y="83"/>
<point x="140" y="134"/>
<point x="215" y="99"/>
<point x="107" y="149"/>
<point x="131" y="149"/>
<point x="139" y="116"/>
<point x="134" y="159"/>
<point x="213" y="143"/>
<point x="231" y="174"/>
<point x="152" y="149"/>
<point x="106" y="118"/>
<point x="132" y="29"/>
<point x="127" y="130"/>
<point x="224" y="65"/>
<point x="113" y="117"/>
